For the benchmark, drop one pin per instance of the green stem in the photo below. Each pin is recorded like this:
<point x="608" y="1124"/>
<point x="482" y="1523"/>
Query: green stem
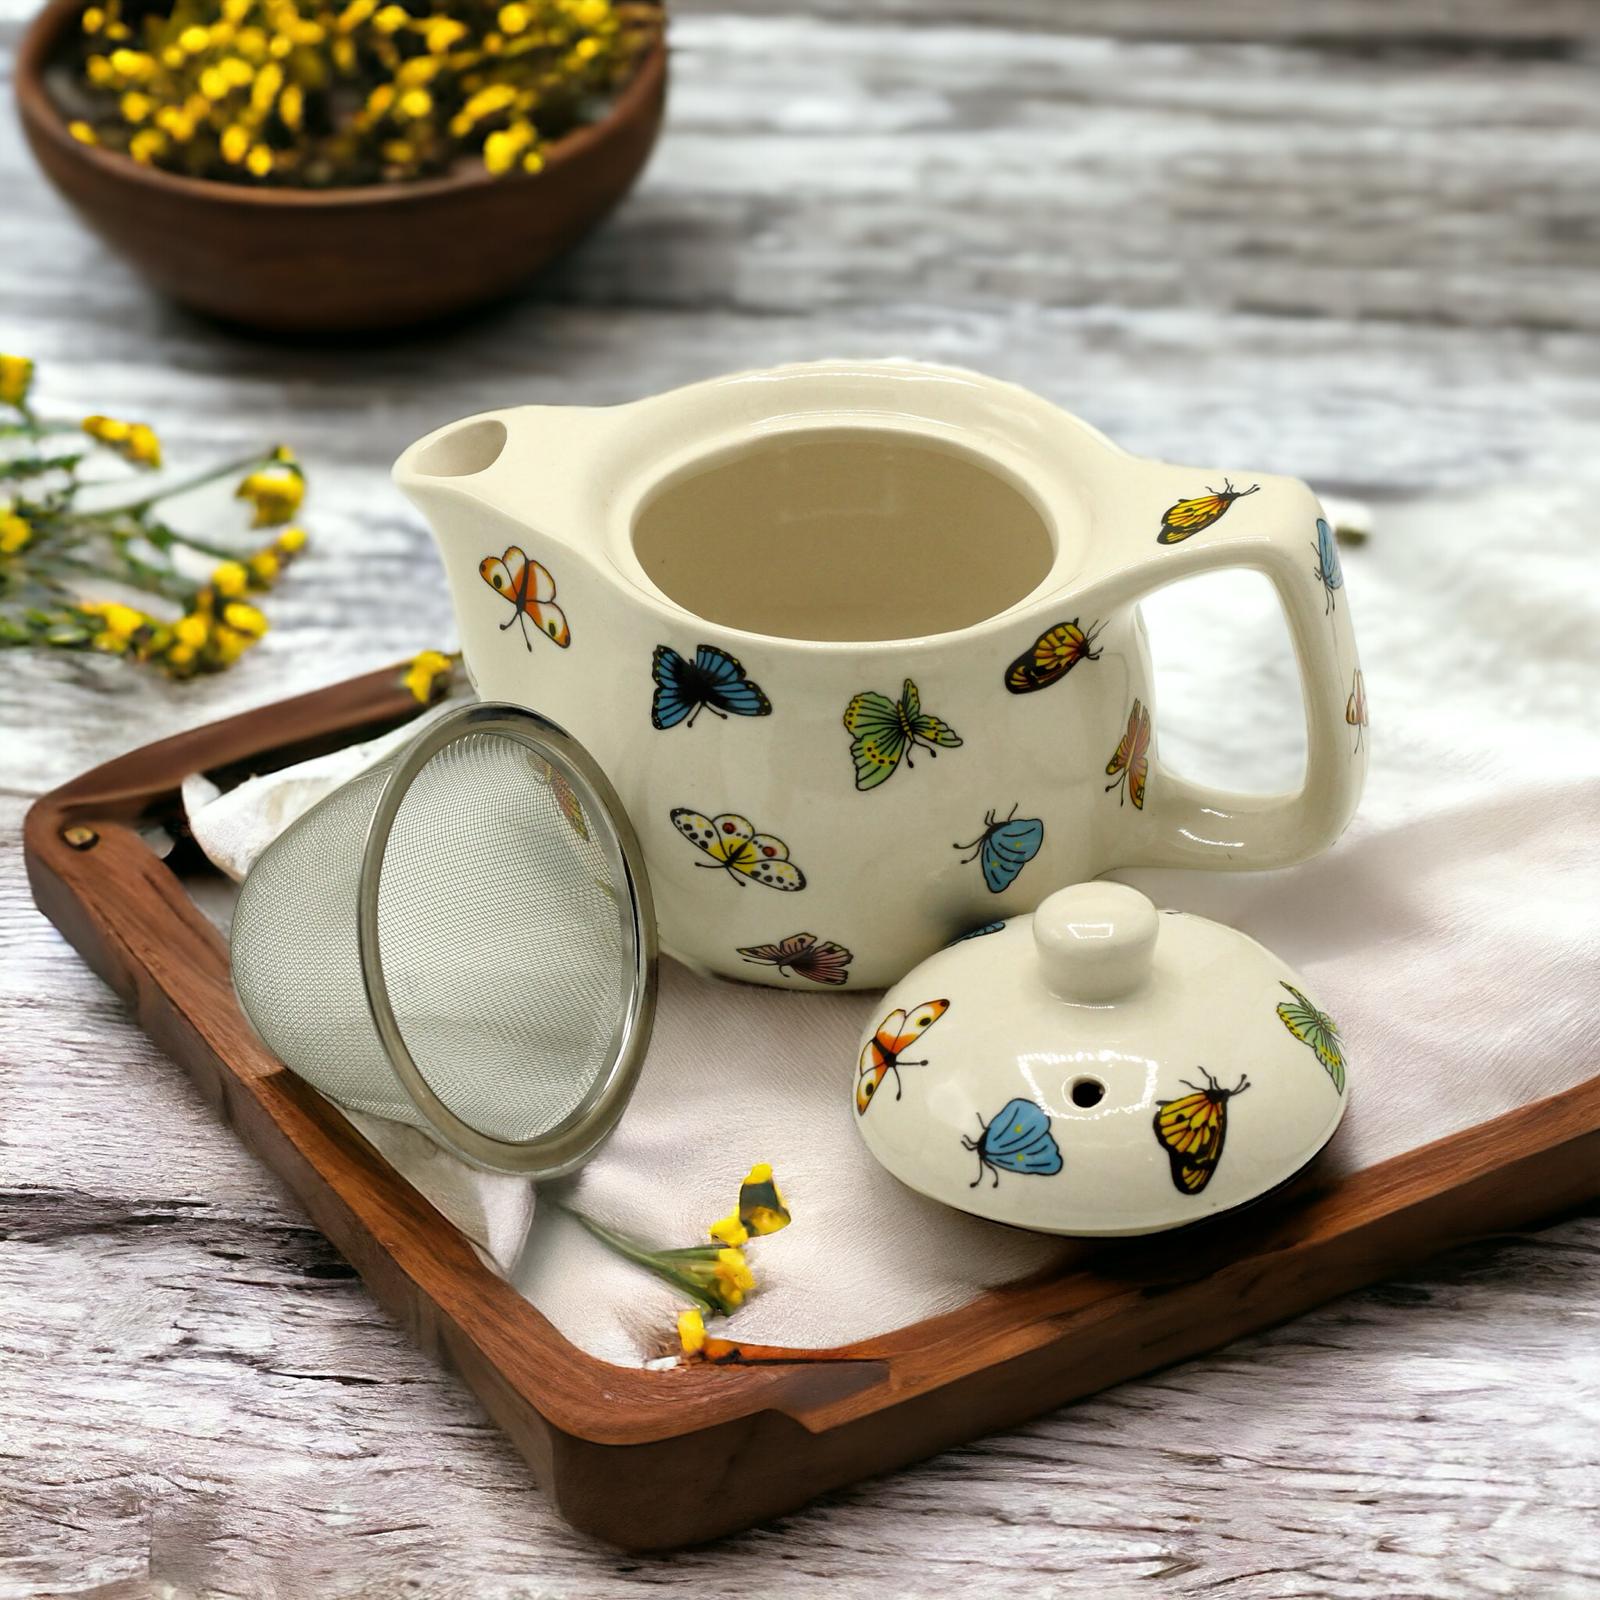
<point x="183" y="486"/>
<point x="152" y="580"/>
<point x="163" y="536"/>
<point x="650" y="1260"/>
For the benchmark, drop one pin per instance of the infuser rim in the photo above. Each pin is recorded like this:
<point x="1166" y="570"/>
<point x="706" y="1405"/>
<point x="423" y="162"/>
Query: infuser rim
<point x="577" y="1136"/>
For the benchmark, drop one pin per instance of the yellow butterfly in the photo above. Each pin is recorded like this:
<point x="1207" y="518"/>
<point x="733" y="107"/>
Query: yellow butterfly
<point x="734" y="845"/>
<point x="1188" y="517"/>
<point x="1052" y="656"/>
<point x="1192" y="1129"/>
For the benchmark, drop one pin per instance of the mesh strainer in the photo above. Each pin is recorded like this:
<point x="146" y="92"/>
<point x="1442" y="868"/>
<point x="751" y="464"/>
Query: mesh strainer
<point x="461" y="938"/>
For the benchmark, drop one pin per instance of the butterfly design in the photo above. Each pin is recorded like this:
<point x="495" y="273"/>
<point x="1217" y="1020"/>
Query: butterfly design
<point x="531" y="591"/>
<point x="1130" y="765"/>
<point x="804" y="955"/>
<point x="566" y="797"/>
<point x="1018" y="1140"/>
<point x="882" y="1053"/>
<point x="714" y="681"/>
<point x="1329" y="573"/>
<point x="975" y="933"/>
<point x="1192" y="1129"/>
<point x="734" y="845"/>
<point x="1317" y="1029"/>
<point x="1355" y="708"/>
<point x="1006" y="847"/>
<point x="1052" y="656"/>
<point x="1188" y="517"/>
<point x="885" y="733"/>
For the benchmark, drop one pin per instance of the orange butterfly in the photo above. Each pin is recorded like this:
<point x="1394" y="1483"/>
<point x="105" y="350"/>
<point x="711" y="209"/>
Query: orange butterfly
<point x="1188" y="517"/>
<point x="1131" y="764"/>
<point x="1052" y="656"/>
<point x="1355" y="708"/>
<point x="531" y="591"/>
<point x="880" y="1055"/>
<point x="1192" y="1129"/>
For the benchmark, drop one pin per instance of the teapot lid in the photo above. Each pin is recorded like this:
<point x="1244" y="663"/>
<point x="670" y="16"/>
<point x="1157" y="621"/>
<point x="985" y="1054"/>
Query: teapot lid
<point x="1099" y="1068"/>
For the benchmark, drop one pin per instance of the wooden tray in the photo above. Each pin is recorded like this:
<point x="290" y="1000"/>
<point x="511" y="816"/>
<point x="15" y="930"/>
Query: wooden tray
<point x="653" y="1459"/>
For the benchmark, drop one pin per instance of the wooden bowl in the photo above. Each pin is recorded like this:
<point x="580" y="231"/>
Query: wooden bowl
<point x="338" y="260"/>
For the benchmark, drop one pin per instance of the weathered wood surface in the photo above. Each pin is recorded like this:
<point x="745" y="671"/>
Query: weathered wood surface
<point x="1356" y="242"/>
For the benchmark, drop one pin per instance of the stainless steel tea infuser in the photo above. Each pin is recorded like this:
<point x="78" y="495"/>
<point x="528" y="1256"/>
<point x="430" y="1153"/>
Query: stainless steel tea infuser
<point x="461" y="938"/>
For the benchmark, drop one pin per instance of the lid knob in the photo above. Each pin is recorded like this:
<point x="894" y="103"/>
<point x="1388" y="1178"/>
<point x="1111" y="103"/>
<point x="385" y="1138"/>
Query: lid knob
<point x="1096" y="941"/>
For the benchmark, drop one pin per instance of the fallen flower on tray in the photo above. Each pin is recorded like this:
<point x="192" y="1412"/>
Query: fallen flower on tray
<point x="717" y="1276"/>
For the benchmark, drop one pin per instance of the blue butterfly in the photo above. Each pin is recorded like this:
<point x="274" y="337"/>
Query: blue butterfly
<point x="714" y="681"/>
<point x="1329" y="573"/>
<point x="975" y="933"/>
<point x="1019" y="1140"/>
<point x="1006" y="847"/>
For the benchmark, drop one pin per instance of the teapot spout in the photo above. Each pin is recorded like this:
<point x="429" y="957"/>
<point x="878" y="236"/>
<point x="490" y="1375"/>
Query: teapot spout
<point x="448" y="474"/>
<point x="523" y="470"/>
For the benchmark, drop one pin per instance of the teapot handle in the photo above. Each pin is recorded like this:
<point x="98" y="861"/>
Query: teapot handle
<point x="1196" y="825"/>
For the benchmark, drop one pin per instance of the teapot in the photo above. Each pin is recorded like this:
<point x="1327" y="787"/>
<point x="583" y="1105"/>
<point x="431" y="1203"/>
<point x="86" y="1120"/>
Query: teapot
<point x="858" y="646"/>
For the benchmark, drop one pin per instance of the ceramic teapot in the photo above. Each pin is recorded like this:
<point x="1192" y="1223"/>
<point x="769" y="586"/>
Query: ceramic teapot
<point x="857" y="644"/>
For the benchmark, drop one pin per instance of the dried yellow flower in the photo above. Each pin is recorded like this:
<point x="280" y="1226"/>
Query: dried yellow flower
<point x="16" y="378"/>
<point x="118" y="620"/>
<point x="83" y="133"/>
<point x="133" y="441"/>
<point x="263" y="567"/>
<point x="15" y="532"/>
<point x="230" y="579"/>
<point x="191" y="631"/>
<point x="245" y="618"/>
<point x="423" y="674"/>
<point x="692" y="1331"/>
<point x="730" y="1230"/>
<point x="276" y="496"/>
<point x="321" y="93"/>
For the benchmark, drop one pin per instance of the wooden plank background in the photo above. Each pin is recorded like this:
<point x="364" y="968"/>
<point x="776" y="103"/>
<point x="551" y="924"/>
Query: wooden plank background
<point x="1358" y="242"/>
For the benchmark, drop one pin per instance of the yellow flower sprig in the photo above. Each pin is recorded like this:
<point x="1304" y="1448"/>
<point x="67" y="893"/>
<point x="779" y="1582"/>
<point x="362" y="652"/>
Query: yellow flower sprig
<point x="718" y="1276"/>
<point x="319" y="93"/>
<point x="51" y="546"/>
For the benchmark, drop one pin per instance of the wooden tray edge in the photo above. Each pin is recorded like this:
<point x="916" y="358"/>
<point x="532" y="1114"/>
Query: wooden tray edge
<point x="670" y="1458"/>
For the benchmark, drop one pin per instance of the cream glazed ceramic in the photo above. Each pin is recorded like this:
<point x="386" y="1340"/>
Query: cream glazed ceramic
<point x="857" y="645"/>
<point x="1099" y="1068"/>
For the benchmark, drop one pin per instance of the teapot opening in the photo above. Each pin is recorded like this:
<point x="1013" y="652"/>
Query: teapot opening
<point x="469" y="447"/>
<point x="843" y="534"/>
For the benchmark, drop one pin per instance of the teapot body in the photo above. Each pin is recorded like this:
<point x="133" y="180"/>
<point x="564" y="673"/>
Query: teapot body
<point x="859" y="648"/>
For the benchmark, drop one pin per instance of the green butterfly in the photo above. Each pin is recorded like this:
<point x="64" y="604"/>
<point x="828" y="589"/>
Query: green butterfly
<point x="1317" y="1029"/>
<point x="886" y="732"/>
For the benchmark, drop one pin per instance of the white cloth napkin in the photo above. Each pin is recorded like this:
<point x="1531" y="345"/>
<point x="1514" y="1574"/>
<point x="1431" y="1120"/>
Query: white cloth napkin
<point x="1453" y="932"/>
